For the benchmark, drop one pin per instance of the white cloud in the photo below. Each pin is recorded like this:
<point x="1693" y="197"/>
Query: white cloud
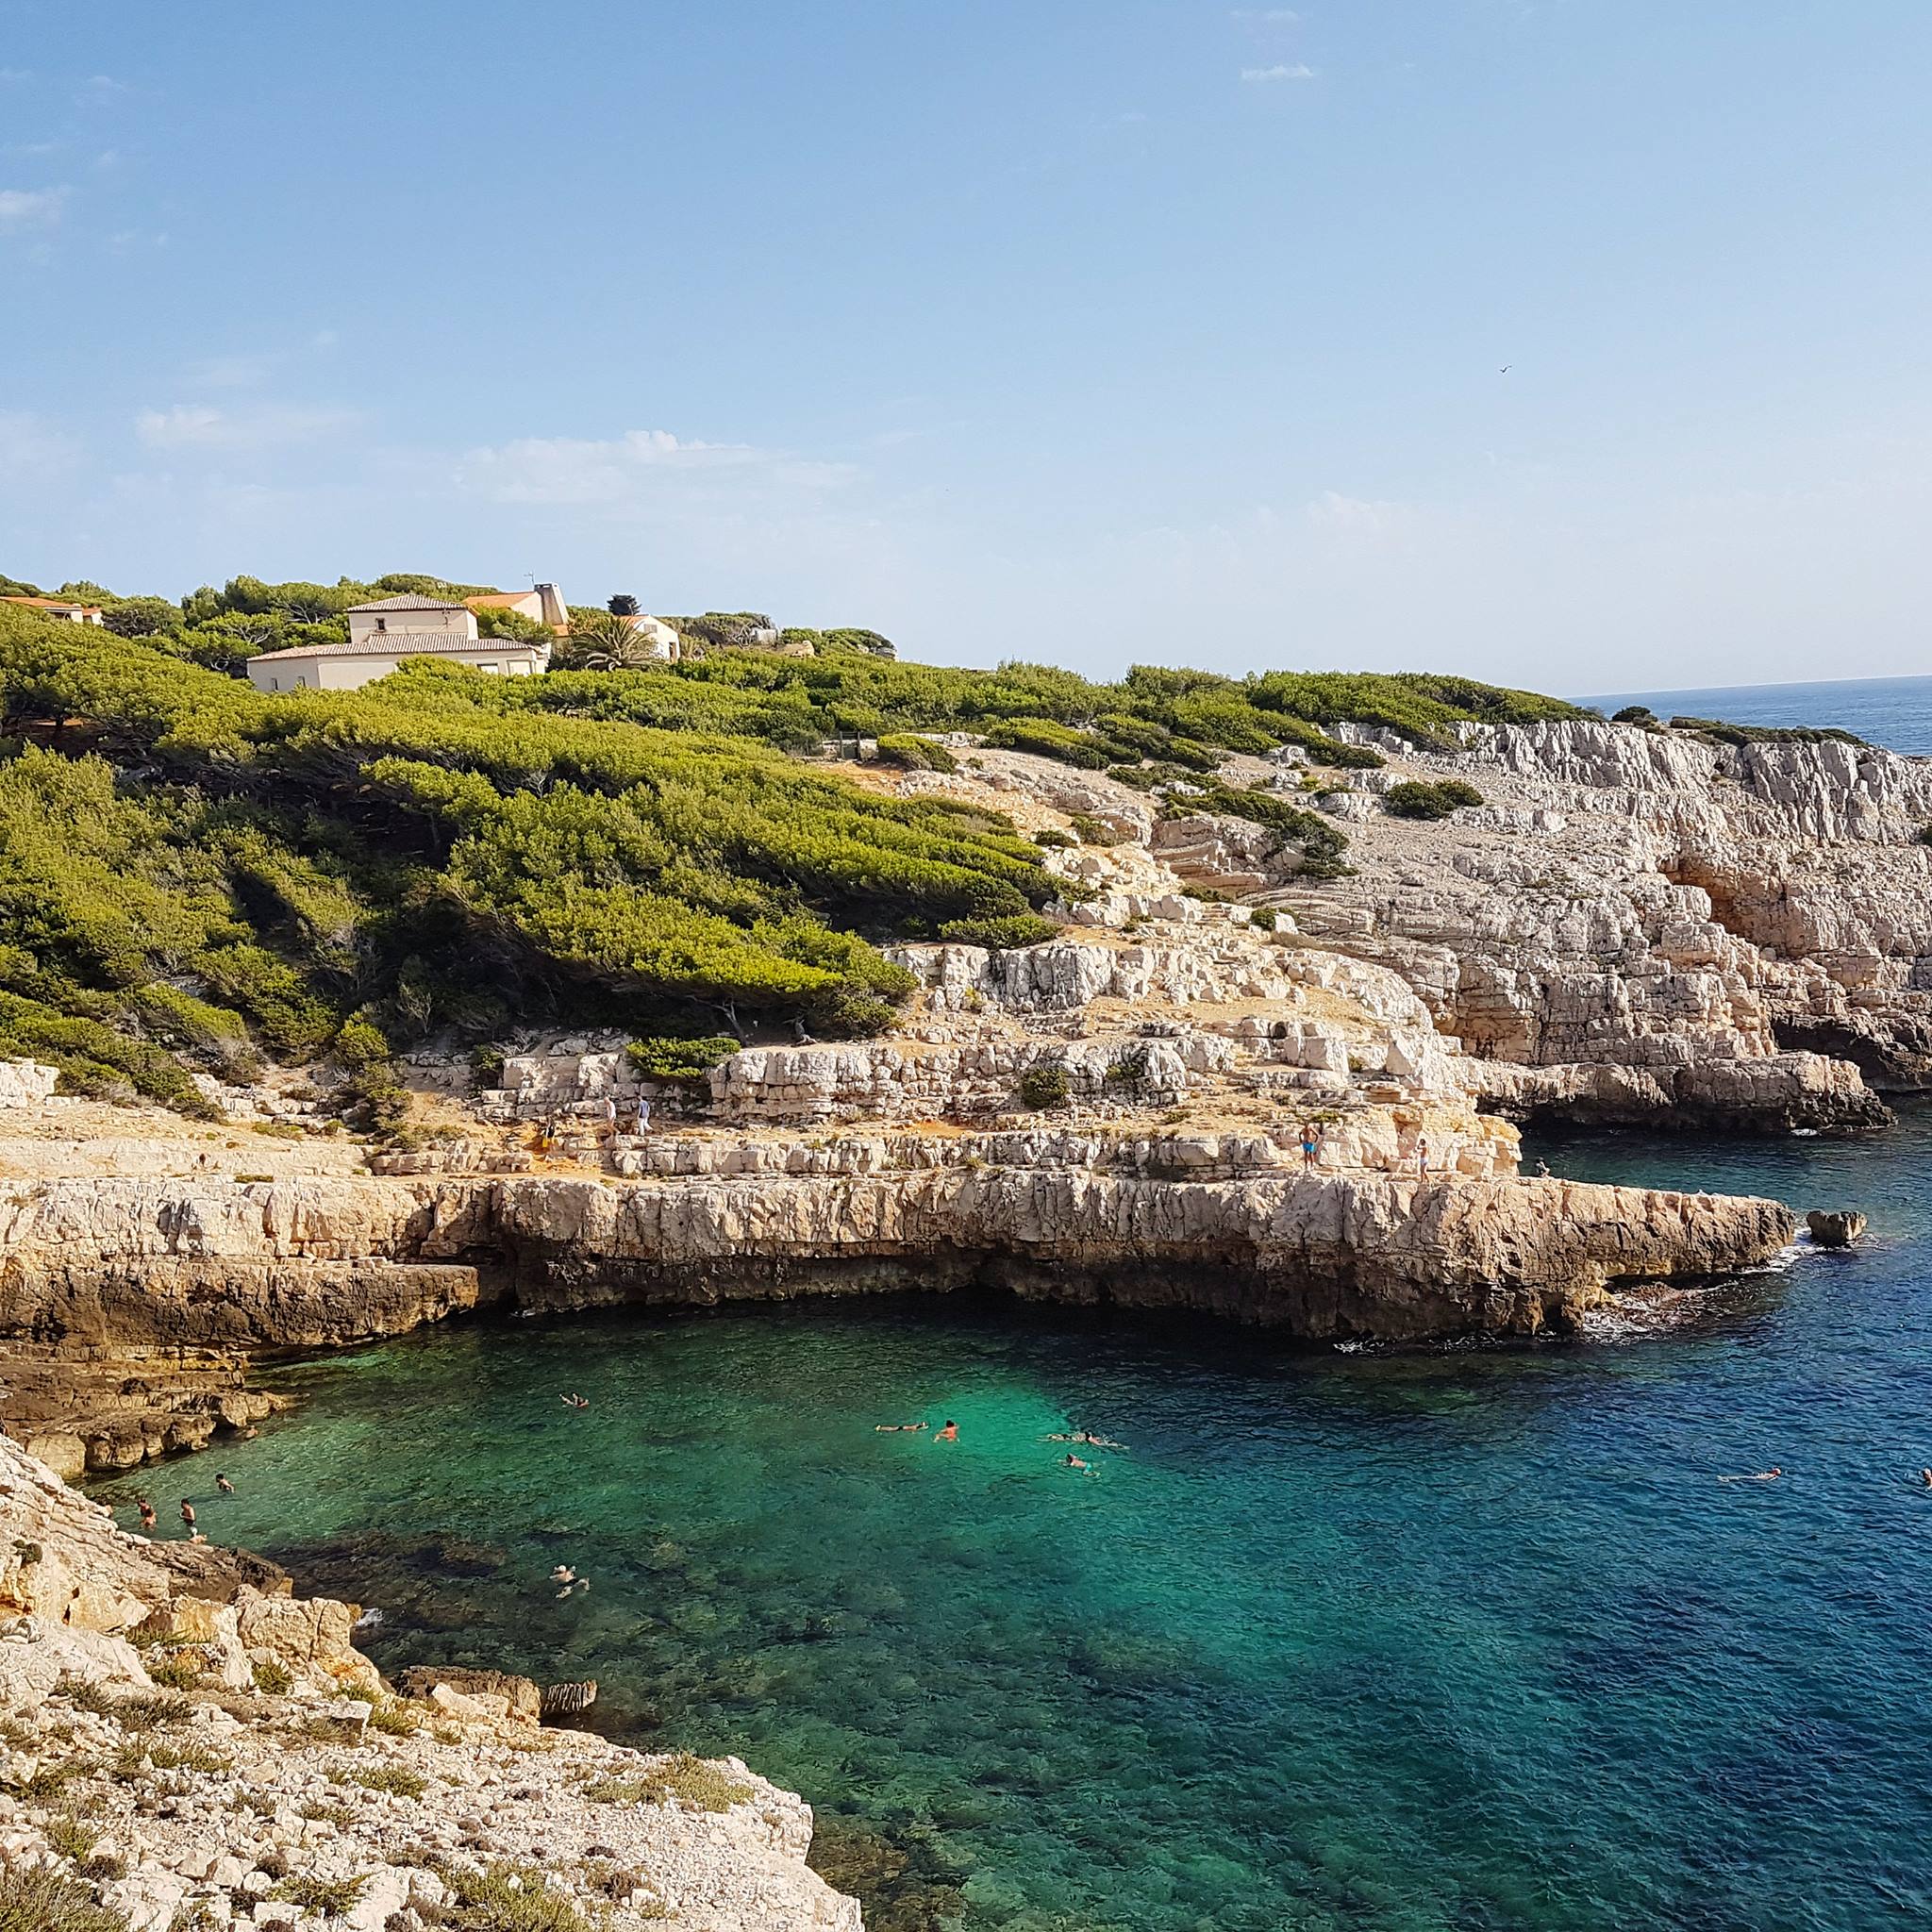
<point x="199" y="425"/>
<point x="30" y="446"/>
<point x="1297" y="72"/>
<point x="1351" y="516"/>
<point x="643" y="464"/>
<point x="30" y="208"/>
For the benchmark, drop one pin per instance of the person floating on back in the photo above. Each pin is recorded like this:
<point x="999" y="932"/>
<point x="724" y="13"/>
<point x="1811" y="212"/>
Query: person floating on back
<point x="1762" y="1476"/>
<point x="899" y="1428"/>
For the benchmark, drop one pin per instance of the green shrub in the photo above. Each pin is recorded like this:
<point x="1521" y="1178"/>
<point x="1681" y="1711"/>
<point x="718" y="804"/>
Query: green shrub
<point x="1051" y="839"/>
<point x="1415" y="799"/>
<point x="1047" y="740"/>
<point x="1044" y="1085"/>
<point x="1096" y="831"/>
<point x="1016" y="930"/>
<point x="916" y="754"/>
<point x="686" y="1062"/>
<point x="505" y="1898"/>
<point x="396" y="1779"/>
<point x="1263" y="918"/>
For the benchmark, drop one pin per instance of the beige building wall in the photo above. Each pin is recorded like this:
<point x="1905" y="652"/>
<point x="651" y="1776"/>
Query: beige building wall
<point x="495" y="655"/>
<point x="364" y="626"/>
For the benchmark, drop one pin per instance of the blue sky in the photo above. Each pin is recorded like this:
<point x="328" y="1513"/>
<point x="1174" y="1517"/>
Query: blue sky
<point x="1088" y="332"/>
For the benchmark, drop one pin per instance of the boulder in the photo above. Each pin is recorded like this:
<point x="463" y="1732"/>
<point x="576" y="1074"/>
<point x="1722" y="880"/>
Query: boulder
<point x="1838" y="1229"/>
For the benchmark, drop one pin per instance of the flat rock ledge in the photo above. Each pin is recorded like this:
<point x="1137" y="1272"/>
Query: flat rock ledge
<point x="190" y="1263"/>
<point x="185" y="1760"/>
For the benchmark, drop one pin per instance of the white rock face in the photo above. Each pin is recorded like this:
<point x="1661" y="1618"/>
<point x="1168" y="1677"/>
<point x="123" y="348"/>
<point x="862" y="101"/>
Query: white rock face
<point x="26" y="1083"/>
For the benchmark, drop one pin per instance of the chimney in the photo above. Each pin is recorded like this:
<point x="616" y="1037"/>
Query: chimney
<point x="555" y="614"/>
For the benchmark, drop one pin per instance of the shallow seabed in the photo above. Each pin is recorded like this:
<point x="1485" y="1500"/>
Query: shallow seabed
<point x="1391" y="1641"/>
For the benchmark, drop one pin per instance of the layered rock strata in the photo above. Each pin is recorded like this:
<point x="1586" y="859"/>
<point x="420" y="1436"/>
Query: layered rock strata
<point x="1230" y="1225"/>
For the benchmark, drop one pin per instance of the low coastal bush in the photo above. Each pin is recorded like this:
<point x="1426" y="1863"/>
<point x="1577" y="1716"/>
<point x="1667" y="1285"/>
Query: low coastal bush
<point x="1045" y="1086"/>
<point x="272" y="1678"/>
<point x="1417" y="800"/>
<point x="1018" y="929"/>
<point x="682" y="1061"/>
<point x="399" y="1780"/>
<point x="915" y="753"/>
<point x="1095" y="831"/>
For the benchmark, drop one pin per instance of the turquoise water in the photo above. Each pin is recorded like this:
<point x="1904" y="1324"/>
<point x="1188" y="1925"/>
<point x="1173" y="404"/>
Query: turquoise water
<point x="1893" y="712"/>
<point x="1394" y="1642"/>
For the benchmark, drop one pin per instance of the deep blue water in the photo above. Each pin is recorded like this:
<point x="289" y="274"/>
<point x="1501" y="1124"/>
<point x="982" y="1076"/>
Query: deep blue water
<point x="1895" y="712"/>
<point x="1468" y="1641"/>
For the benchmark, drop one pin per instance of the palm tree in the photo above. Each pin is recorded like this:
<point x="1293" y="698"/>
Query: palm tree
<point x="623" y="604"/>
<point x="609" y="641"/>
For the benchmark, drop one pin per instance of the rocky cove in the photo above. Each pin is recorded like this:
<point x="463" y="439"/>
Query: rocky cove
<point x="1624" y="931"/>
<point x="1116" y="1115"/>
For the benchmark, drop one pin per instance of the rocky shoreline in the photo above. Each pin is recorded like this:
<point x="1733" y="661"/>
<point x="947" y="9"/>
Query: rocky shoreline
<point x="1222" y="1088"/>
<point x="101" y="1269"/>
<point x="184" y="1742"/>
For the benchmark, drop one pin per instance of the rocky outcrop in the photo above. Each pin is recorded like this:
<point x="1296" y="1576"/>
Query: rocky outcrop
<point x="275" y="1777"/>
<point x="1319" y="1255"/>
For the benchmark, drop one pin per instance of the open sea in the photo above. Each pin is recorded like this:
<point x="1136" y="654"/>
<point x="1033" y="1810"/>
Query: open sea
<point x="1895" y="712"/>
<point x="1470" y="1639"/>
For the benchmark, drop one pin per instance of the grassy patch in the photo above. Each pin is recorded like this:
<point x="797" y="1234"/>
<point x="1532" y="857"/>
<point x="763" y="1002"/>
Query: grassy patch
<point x="325" y="1898"/>
<point x="396" y="1779"/>
<point x="72" y="1837"/>
<point x="178" y="1670"/>
<point x="685" y="1778"/>
<point x="37" y="1900"/>
<point x="272" y="1678"/>
<point x="151" y="1709"/>
<point x="508" y="1898"/>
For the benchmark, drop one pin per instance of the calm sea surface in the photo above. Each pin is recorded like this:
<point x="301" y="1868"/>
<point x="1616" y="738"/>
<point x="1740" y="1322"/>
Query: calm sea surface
<point x="1893" y="712"/>
<point x="1417" y="1641"/>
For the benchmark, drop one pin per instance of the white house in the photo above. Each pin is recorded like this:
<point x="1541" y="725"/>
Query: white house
<point x="664" y="641"/>
<point x="65" y="608"/>
<point x="381" y="635"/>
<point x="542" y="603"/>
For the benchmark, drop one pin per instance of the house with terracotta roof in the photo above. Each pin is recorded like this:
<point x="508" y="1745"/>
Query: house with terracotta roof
<point x="63" y="608"/>
<point x="540" y="603"/>
<point x="382" y="634"/>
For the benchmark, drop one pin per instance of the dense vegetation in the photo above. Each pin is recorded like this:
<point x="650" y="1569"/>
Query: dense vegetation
<point x="193" y="874"/>
<point x="191" y="868"/>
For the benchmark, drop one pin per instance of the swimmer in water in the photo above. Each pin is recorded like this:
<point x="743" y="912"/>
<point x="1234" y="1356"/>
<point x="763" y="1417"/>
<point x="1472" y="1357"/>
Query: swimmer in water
<point x="563" y="1574"/>
<point x="1925" y="1477"/>
<point x="188" y="1513"/>
<point x="899" y="1428"/>
<point x="147" y="1511"/>
<point x="223" y="1484"/>
<point x="1073" y="1462"/>
<point x="1762" y="1476"/>
<point x="950" y="1433"/>
<point x="573" y="1400"/>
